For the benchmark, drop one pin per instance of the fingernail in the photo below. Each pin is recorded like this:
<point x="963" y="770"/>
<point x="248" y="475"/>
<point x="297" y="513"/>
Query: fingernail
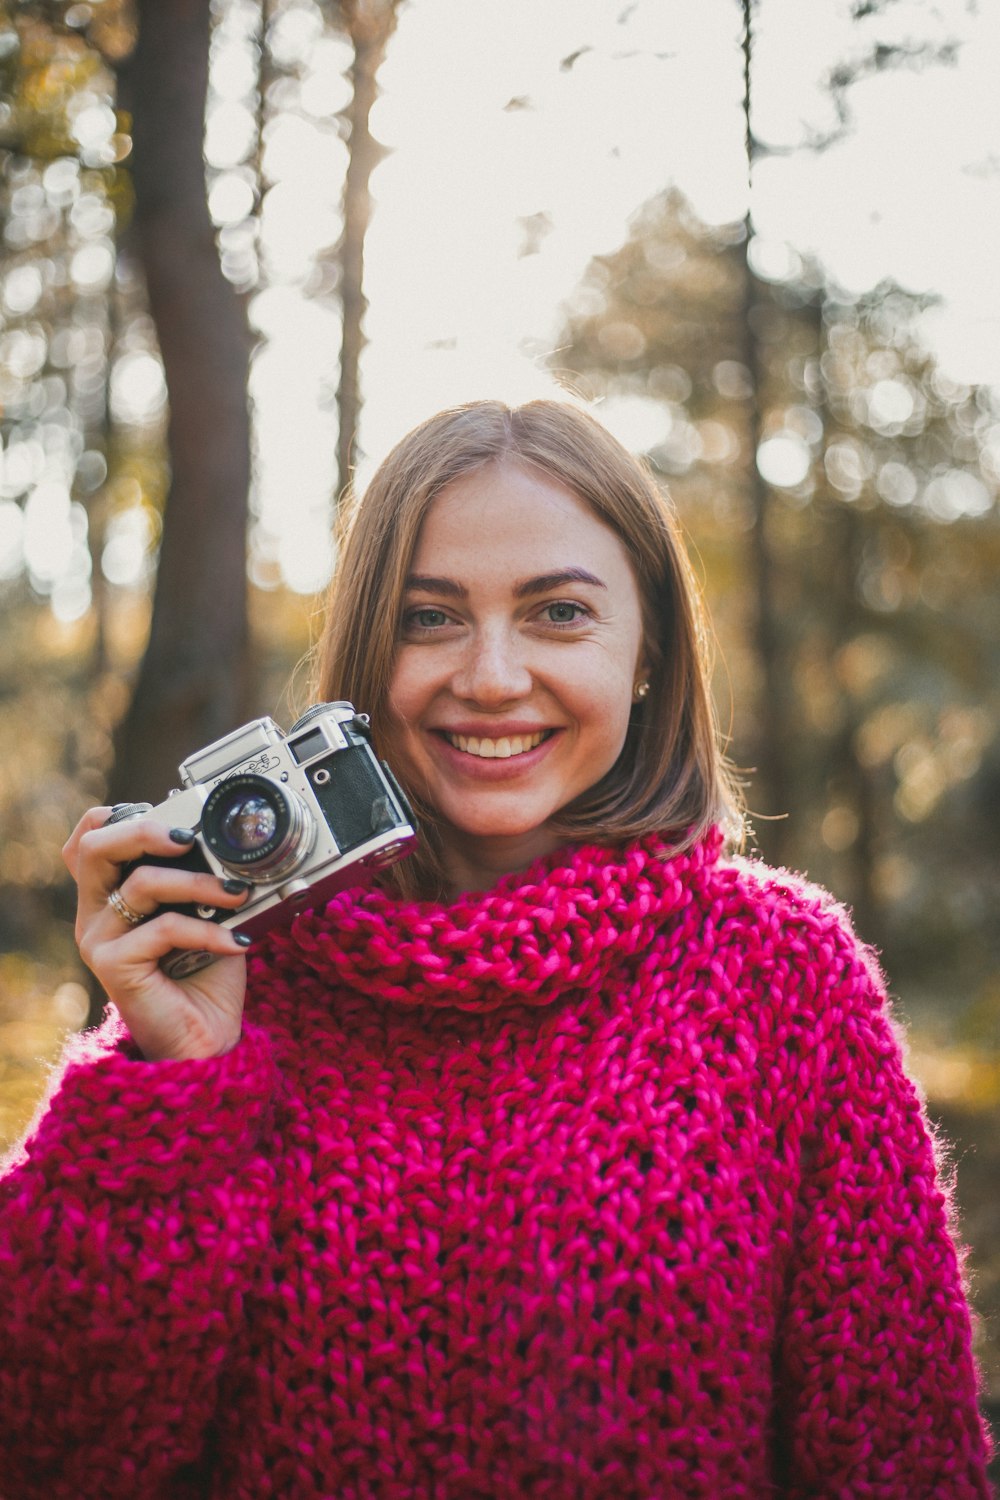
<point x="235" y="887"/>
<point x="243" y="938"/>
<point x="182" y="835"/>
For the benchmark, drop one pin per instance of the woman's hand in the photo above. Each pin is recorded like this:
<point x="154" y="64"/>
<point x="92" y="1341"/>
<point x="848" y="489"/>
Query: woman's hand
<point x="200" y="1016"/>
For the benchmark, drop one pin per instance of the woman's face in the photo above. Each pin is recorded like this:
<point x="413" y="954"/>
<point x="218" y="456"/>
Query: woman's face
<point x="519" y="650"/>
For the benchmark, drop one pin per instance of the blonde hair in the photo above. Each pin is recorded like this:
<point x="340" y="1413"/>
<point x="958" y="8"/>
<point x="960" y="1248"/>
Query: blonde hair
<point x="671" y="776"/>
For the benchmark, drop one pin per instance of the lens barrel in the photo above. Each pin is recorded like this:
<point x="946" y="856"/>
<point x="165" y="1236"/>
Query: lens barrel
<point x="256" y="826"/>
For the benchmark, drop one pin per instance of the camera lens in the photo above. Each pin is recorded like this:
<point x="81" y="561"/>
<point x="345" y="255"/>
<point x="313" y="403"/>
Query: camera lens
<point x="256" y="825"/>
<point x="248" y="823"/>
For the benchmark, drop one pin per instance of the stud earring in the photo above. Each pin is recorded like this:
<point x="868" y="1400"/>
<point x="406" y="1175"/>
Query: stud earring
<point x="640" y="690"/>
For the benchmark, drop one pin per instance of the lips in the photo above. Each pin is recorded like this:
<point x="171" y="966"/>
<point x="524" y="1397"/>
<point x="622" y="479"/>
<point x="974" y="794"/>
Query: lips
<point x="502" y="748"/>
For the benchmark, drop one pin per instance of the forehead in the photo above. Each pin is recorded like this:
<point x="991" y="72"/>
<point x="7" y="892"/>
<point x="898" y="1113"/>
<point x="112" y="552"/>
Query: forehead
<point x="506" y="516"/>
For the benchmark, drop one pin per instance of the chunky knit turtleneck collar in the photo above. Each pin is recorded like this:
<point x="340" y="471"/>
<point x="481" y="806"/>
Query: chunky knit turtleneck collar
<point x="559" y="925"/>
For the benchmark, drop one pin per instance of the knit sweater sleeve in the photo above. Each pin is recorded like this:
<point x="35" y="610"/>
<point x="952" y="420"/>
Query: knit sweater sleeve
<point x="877" y="1384"/>
<point x="129" y="1225"/>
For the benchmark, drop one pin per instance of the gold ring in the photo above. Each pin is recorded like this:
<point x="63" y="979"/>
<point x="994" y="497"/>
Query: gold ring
<point x="127" y="913"/>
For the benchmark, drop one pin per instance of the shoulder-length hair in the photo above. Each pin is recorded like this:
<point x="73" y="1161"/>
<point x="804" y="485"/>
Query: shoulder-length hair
<point x="671" y="776"/>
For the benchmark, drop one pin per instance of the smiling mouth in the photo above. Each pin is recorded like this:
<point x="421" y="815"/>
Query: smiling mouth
<point x="502" y="749"/>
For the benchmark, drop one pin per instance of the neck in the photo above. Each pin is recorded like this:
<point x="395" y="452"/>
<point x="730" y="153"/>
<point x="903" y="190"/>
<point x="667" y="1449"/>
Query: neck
<point x="476" y="864"/>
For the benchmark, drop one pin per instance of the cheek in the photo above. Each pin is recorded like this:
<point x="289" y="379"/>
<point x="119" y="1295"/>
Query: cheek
<point x="393" y="718"/>
<point x="406" y="699"/>
<point x="616" y="731"/>
<point x="602" y="686"/>
<point x="608" y="697"/>
<point x="404" y="691"/>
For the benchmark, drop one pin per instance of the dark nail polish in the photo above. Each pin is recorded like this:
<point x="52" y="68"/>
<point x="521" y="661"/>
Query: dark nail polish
<point x="235" y="887"/>
<point x="182" y="835"/>
<point x="243" y="938"/>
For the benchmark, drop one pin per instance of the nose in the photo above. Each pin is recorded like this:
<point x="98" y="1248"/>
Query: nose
<point x="493" y="671"/>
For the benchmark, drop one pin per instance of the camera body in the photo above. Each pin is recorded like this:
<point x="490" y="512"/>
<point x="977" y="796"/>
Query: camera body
<point x="300" y="816"/>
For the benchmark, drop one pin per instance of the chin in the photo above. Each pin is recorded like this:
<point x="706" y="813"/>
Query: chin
<point x="489" y="832"/>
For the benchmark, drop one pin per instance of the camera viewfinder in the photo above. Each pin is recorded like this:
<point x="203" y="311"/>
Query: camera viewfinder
<point x="308" y="745"/>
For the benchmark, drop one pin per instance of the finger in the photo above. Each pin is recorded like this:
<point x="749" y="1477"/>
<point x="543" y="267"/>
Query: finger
<point x="119" y="843"/>
<point x="101" y="851"/>
<point x="127" y="959"/>
<point x="121" y="908"/>
<point x="94" y="817"/>
<point x="149" y="887"/>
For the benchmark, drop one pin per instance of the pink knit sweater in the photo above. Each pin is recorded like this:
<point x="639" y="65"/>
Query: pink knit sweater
<point x="605" y="1183"/>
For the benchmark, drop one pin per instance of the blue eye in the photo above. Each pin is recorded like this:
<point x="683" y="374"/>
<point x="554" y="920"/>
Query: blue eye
<point x="562" y="612"/>
<point x="425" y="619"/>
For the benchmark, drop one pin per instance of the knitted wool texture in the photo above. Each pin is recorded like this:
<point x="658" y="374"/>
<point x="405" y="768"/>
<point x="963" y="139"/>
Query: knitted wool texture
<point x="604" y="1183"/>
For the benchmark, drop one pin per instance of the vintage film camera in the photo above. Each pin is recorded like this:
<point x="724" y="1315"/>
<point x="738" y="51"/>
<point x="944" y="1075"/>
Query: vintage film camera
<point x="299" y="816"/>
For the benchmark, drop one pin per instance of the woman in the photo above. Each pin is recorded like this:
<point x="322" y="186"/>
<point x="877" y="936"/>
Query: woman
<point x="577" y="1161"/>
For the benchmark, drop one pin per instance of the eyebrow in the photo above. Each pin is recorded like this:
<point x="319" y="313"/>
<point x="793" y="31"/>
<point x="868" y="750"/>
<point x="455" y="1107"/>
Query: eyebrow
<point x="423" y="583"/>
<point x="447" y="587"/>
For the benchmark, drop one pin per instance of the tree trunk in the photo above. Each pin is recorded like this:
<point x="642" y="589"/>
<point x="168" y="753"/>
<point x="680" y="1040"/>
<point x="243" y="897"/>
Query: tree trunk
<point x="852" y="780"/>
<point x="771" y="791"/>
<point x="193" y="683"/>
<point x="370" y="24"/>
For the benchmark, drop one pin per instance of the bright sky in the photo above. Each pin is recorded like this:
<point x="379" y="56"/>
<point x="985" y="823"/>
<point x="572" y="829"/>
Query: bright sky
<point x="490" y="125"/>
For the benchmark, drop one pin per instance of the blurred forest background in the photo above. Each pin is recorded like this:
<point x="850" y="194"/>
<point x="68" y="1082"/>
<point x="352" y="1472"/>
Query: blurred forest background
<point x="838" y="487"/>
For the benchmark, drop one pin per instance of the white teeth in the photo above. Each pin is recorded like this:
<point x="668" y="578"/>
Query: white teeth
<point x="502" y="749"/>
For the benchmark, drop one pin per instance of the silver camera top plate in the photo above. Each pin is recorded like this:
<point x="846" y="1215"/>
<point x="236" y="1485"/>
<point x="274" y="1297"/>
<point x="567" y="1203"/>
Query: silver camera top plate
<point x="245" y="744"/>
